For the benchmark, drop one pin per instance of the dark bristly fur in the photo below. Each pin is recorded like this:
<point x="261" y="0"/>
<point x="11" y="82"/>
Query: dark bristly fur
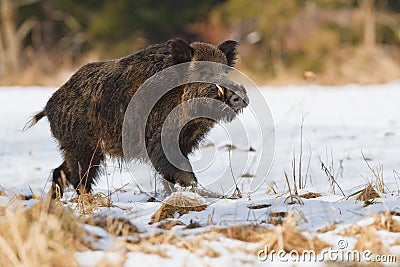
<point x="86" y="113"/>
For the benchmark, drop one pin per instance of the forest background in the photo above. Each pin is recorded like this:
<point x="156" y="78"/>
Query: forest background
<point x="281" y="41"/>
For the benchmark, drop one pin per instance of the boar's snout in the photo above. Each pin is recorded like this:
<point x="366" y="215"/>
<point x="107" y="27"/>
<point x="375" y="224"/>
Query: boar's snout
<point x="239" y="101"/>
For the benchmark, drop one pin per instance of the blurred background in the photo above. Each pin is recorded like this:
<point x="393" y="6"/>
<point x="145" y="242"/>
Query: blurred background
<point x="282" y="41"/>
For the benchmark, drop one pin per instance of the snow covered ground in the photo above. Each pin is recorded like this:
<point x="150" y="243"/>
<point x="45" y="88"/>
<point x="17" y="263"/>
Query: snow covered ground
<point x="338" y="126"/>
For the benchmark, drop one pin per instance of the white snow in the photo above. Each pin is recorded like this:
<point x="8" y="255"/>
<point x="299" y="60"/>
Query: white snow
<point x="340" y="123"/>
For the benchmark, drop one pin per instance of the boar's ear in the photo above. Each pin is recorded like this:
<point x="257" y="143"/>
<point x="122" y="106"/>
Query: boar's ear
<point x="181" y="51"/>
<point x="229" y="49"/>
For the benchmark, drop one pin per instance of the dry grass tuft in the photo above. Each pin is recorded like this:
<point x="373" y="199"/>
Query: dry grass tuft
<point x="247" y="233"/>
<point x="177" y="203"/>
<point x="396" y="242"/>
<point x="310" y="195"/>
<point x="272" y="189"/>
<point x="258" y="206"/>
<point x="26" y="197"/>
<point x="327" y="228"/>
<point x="368" y="193"/>
<point x="277" y="218"/>
<point x="352" y="230"/>
<point x="3" y="211"/>
<point x="386" y="222"/>
<point x="2" y="192"/>
<point x="197" y="244"/>
<point x="286" y="237"/>
<point x="168" y="225"/>
<point x="43" y="235"/>
<point x="114" y="262"/>
<point x="148" y="250"/>
<point x="369" y="240"/>
<point x="17" y="195"/>
<point x="118" y="226"/>
<point x="88" y="203"/>
<point x="247" y="175"/>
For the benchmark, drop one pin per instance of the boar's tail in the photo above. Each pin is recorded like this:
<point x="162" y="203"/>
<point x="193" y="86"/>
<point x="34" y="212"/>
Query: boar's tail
<point x="34" y="120"/>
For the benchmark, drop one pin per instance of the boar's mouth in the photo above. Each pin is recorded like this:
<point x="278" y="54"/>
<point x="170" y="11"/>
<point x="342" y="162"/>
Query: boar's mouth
<point x="233" y="101"/>
<point x="237" y="99"/>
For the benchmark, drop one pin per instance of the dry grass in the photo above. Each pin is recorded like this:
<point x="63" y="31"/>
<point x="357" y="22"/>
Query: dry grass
<point x="168" y="225"/>
<point x="272" y="189"/>
<point x="197" y="244"/>
<point x="117" y="226"/>
<point x="277" y="218"/>
<point x="3" y="211"/>
<point x="310" y="195"/>
<point x="48" y="234"/>
<point x="247" y="175"/>
<point x="26" y="197"/>
<point x="286" y="237"/>
<point x="88" y="203"/>
<point x="386" y="222"/>
<point x="2" y="192"/>
<point x="247" y="233"/>
<point x="368" y="193"/>
<point x="293" y="198"/>
<point x="377" y="174"/>
<point x="369" y="240"/>
<point x="177" y="203"/>
<point x="17" y="195"/>
<point x="396" y="242"/>
<point x="258" y="206"/>
<point x="44" y="235"/>
<point x="327" y="228"/>
<point x="351" y="230"/>
<point x="329" y="171"/>
<point x="115" y="262"/>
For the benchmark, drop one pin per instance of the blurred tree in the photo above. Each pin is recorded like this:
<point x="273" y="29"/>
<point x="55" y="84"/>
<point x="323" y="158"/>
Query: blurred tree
<point x="393" y="5"/>
<point x="369" y="32"/>
<point x="61" y="30"/>
<point x="48" y="25"/>
<point x="279" y="35"/>
<point x="276" y="36"/>
<point x="145" y="21"/>
<point x="12" y="34"/>
<point x="261" y="24"/>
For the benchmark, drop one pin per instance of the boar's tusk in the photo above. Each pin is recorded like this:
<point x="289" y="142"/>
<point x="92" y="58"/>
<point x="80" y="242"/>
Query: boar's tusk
<point x="220" y="89"/>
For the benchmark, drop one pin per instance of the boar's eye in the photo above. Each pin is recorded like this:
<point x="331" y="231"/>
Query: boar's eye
<point x="213" y="91"/>
<point x="216" y="91"/>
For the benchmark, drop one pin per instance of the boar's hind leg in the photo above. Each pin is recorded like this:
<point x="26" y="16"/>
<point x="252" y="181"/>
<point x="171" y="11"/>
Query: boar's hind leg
<point x="84" y="165"/>
<point x="60" y="179"/>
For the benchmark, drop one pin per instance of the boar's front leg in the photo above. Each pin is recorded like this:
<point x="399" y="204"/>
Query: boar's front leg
<point x="174" y="170"/>
<point x="178" y="175"/>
